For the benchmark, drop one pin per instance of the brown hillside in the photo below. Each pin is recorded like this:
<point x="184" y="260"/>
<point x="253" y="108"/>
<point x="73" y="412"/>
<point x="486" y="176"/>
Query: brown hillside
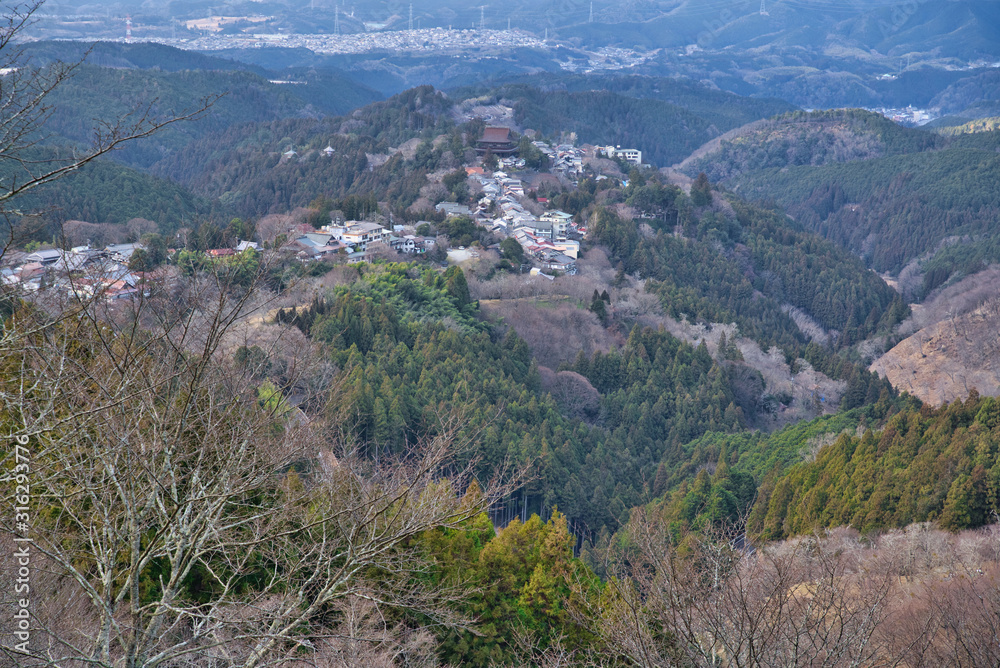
<point x="944" y="360"/>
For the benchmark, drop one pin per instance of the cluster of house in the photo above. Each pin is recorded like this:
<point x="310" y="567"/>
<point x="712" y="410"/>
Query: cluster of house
<point x="564" y="159"/>
<point x="354" y="239"/>
<point x="86" y="272"/>
<point x="82" y="271"/>
<point x="546" y="237"/>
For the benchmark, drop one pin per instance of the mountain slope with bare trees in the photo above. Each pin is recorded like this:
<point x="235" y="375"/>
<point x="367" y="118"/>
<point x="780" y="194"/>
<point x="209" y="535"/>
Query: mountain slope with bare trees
<point x="955" y="349"/>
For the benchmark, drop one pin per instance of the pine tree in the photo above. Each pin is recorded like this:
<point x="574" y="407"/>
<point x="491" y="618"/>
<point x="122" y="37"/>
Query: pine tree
<point x="660" y="481"/>
<point x="597" y="306"/>
<point x="701" y="191"/>
<point x="381" y="434"/>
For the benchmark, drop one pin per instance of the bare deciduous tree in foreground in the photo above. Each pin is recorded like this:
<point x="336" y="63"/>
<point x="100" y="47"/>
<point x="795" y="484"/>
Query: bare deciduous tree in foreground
<point x="913" y="597"/>
<point x="184" y="513"/>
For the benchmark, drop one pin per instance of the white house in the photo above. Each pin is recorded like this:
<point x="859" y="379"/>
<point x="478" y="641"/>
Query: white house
<point x="560" y="221"/>
<point x="360" y="235"/>
<point x="629" y="154"/>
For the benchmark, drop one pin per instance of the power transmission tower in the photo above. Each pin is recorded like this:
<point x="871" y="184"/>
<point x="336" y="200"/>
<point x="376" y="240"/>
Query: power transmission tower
<point x="763" y="8"/>
<point x="411" y="17"/>
<point x="482" y="16"/>
<point x="591" y="11"/>
<point x="336" y="19"/>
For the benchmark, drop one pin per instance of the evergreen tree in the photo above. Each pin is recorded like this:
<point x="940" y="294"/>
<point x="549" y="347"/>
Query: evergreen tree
<point x="598" y="308"/>
<point x="701" y="191"/>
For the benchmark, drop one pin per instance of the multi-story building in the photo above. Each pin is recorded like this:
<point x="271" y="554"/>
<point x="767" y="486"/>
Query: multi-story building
<point x="629" y="154"/>
<point x="359" y="235"/>
<point x="560" y="221"/>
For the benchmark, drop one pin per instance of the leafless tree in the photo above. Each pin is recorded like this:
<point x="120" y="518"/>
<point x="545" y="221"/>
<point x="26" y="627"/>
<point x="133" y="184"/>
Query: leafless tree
<point x="717" y="603"/>
<point x="555" y="655"/>
<point x="185" y="511"/>
<point x="947" y="608"/>
<point x="576" y="397"/>
<point x="364" y="637"/>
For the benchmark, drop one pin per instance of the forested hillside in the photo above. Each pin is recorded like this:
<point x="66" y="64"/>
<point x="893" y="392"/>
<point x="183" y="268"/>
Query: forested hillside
<point x="142" y="56"/>
<point x="888" y="194"/>
<point x="238" y="97"/>
<point x="162" y="81"/>
<point x="245" y="166"/>
<point x="924" y="465"/>
<point x="722" y="109"/>
<point x="890" y="210"/>
<point x="109" y="193"/>
<point x="807" y="138"/>
<point x="403" y="368"/>
<point x="973" y="97"/>
<point x="743" y="265"/>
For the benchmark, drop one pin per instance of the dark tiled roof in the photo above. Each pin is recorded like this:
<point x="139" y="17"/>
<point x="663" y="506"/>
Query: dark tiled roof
<point x="496" y="134"/>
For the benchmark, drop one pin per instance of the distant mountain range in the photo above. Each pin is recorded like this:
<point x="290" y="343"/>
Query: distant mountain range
<point x="959" y="28"/>
<point x="811" y="53"/>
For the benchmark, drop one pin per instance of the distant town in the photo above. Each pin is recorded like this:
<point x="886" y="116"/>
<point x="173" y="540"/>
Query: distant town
<point x="908" y="116"/>
<point x="427" y="40"/>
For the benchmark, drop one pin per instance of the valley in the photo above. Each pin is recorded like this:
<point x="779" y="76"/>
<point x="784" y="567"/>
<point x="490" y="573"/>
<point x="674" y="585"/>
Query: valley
<point x="625" y="338"/>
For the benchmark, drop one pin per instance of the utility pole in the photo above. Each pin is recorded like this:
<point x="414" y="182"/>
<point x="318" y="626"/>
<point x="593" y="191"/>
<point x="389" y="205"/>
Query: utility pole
<point x="336" y="19"/>
<point x="482" y="16"/>
<point x="411" y="17"/>
<point x="591" y="12"/>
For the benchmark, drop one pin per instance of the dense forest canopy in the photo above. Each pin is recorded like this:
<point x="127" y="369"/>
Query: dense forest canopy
<point x="891" y="195"/>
